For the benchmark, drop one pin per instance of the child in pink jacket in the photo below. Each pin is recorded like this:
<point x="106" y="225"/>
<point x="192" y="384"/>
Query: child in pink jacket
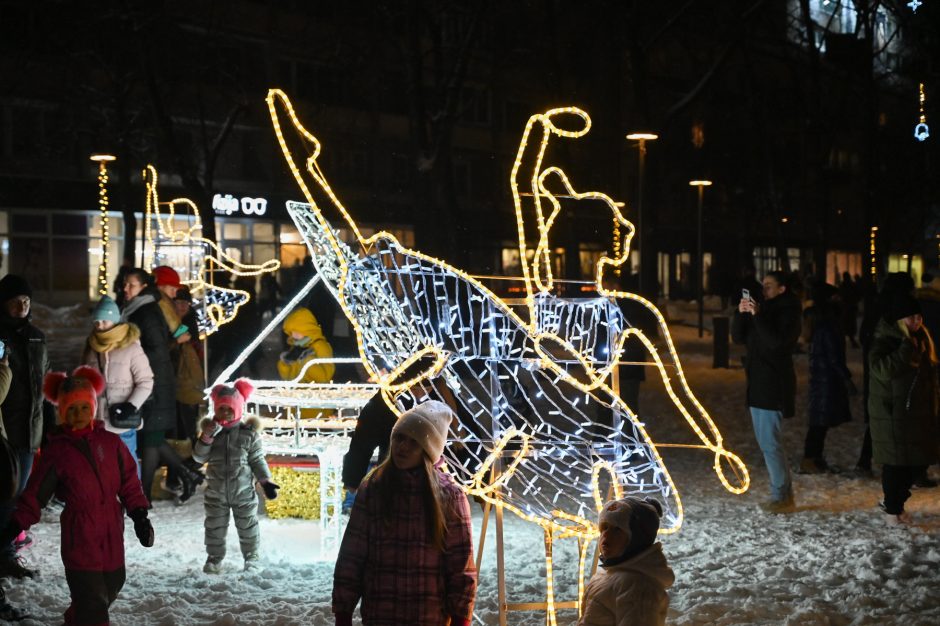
<point x="408" y="550"/>
<point x="91" y="470"/>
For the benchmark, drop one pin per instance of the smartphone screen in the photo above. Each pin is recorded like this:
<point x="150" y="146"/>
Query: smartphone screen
<point x="745" y="294"/>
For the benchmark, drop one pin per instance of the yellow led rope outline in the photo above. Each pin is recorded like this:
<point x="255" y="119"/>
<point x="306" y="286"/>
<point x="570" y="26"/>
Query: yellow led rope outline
<point x="550" y="525"/>
<point x="275" y="95"/>
<point x="598" y="376"/>
<point x="166" y="227"/>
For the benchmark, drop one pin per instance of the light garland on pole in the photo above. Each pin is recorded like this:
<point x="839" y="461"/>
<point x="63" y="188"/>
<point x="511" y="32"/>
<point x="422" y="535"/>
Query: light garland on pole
<point x="533" y="394"/>
<point x="102" y="160"/>
<point x="214" y="305"/>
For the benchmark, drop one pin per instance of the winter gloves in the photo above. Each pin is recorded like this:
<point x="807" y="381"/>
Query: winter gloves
<point x="142" y="527"/>
<point x="270" y="489"/>
<point x="210" y="428"/>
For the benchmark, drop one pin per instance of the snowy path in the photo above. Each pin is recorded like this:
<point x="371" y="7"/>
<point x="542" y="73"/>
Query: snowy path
<point x="833" y="562"/>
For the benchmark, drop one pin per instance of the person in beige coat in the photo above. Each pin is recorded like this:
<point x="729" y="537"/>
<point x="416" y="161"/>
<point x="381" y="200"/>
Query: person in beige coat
<point x="114" y="349"/>
<point x="630" y="587"/>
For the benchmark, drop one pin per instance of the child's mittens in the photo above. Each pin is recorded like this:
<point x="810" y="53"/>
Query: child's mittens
<point x="142" y="527"/>
<point x="210" y="428"/>
<point x="270" y="489"/>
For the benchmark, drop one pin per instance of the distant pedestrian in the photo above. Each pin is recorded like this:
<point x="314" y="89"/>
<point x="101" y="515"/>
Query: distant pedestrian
<point x="771" y="331"/>
<point x="830" y="380"/>
<point x="849" y="296"/>
<point x="630" y="586"/>
<point x="904" y="402"/>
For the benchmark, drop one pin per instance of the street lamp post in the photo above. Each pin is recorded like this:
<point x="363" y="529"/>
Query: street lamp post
<point x="641" y="139"/>
<point x="699" y="255"/>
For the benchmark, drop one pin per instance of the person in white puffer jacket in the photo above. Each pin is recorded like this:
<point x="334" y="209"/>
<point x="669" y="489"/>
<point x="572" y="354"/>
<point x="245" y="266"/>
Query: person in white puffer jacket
<point x="630" y="587"/>
<point x="114" y="349"/>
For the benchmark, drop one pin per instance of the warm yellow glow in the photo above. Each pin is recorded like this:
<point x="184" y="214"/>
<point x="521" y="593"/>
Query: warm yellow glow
<point x="537" y="274"/>
<point x="642" y="136"/>
<point x="700" y="183"/>
<point x="103" y="160"/>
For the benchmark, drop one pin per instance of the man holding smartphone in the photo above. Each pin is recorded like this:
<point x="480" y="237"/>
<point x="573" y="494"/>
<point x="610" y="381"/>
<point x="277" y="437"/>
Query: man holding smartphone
<point x="771" y="330"/>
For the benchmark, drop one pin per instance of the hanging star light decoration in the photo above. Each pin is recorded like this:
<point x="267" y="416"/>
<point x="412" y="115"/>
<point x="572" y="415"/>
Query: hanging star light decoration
<point x="541" y="431"/>
<point x="922" y="131"/>
<point x="214" y="305"/>
<point x="914" y="5"/>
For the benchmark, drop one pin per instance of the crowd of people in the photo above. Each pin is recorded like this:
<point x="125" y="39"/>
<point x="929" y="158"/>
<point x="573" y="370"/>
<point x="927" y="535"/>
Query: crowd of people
<point x="900" y="379"/>
<point x="99" y="434"/>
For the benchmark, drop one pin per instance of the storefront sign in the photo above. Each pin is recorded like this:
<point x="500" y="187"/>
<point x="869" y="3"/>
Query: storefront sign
<point x="228" y="205"/>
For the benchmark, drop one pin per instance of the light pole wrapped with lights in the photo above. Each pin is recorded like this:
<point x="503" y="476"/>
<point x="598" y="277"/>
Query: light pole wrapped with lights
<point x="103" y="160"/>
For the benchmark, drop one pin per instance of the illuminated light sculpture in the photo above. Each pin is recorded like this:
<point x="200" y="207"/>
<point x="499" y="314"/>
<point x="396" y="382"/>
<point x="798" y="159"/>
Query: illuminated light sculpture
<point x="914" y="5"/>
<point x="214" y="305"/>
<point x="872" y="252"/>
<point x="102" y="160"/>
<point x="922" y="131"/>
<point x="541" y="432"/>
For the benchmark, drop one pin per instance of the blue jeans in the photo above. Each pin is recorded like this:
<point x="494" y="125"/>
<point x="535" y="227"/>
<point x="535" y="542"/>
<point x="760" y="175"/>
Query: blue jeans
<point x="768" y="429"/>
<point x="129" y="438"/>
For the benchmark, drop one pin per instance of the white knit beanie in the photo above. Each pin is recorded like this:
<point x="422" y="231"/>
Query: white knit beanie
<point x="638" y="518"/>
<point x="427" y="424"/>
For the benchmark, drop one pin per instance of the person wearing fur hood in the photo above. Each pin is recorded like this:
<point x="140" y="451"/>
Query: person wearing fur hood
<point x="630" y="588"/>
<point x="113" y="347"/>
<point x="231" y="445"/>
<point x="93" y="472"/>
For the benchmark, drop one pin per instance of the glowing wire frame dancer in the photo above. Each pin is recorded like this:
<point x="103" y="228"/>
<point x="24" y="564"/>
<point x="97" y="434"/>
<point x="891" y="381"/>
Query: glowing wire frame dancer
<point x="419" y="318"/>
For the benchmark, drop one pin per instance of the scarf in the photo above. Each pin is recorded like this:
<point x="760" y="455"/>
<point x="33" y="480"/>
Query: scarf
<point x="118" y="336"/>
<point x="136" y="303"/>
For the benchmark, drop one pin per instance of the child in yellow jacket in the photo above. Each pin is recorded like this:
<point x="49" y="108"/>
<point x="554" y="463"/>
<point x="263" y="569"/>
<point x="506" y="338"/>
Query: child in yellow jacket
<point x="305" y="342"/>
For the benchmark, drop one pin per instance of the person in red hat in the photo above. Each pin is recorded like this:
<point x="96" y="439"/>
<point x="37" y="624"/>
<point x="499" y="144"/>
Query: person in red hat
<point x="92" y="470"/>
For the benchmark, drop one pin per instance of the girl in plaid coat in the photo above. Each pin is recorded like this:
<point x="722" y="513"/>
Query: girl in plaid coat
<point x="408" y="552"/>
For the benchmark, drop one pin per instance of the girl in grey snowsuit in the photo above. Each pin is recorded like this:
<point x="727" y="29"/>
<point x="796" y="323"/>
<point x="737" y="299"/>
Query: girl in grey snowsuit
<point x="232" y="447"/>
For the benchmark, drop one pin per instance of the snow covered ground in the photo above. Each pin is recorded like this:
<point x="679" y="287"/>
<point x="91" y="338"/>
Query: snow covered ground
<point x="833" y="562"/>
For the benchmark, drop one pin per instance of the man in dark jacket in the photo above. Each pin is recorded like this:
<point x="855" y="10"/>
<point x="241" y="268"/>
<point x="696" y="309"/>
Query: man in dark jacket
<point x="22" y="408"/>
<point x="771" y="330"/>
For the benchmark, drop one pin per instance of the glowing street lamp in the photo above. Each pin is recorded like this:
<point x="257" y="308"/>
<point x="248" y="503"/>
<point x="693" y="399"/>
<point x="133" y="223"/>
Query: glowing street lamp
<point x="699" y="254"/>
<point x="102" y="160"/>
<point x="641" y="139"/>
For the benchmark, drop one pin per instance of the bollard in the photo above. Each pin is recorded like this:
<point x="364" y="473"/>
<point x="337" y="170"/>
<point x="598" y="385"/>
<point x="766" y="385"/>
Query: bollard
<point x="720" y="329"/>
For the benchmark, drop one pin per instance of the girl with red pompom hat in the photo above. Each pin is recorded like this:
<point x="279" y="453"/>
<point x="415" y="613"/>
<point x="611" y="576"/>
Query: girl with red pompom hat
<point x="232" y="448"/>
<point x="93" y="472"/>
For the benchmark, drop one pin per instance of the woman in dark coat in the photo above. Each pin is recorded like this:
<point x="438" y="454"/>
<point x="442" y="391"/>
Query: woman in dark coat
<point x="829" y="378"/>
<point x="903" y="402"/>
<point x="159" y="412"/>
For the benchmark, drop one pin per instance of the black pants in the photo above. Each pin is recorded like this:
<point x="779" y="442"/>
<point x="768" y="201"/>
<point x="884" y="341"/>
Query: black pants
<point x="373" y="430"/>
<point x="92" y="593"/>
<point x="864" y="457"/>
<point x="815" y="442"/>
<point x="896" y="481"/>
